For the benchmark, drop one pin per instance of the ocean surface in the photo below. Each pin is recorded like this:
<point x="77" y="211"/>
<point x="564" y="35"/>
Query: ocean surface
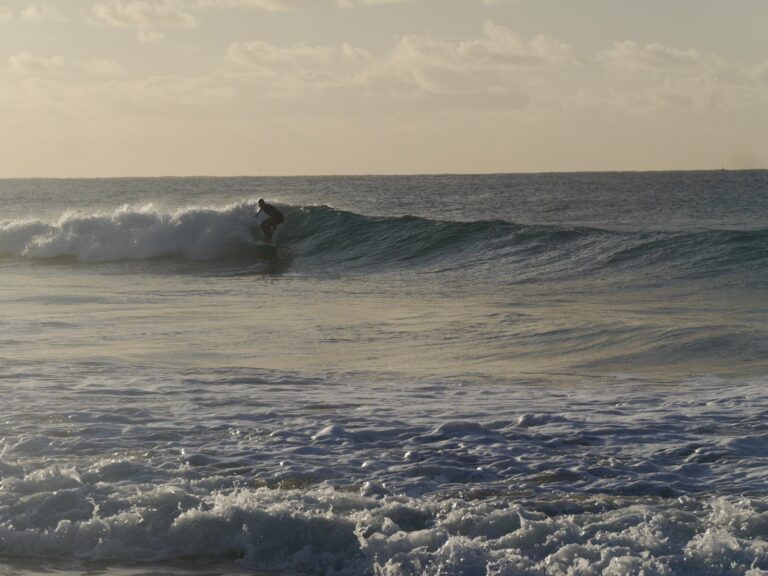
<point x="503" y="375"/>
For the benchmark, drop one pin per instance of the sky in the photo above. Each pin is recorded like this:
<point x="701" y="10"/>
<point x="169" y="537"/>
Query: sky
<point x="93" y="88"/>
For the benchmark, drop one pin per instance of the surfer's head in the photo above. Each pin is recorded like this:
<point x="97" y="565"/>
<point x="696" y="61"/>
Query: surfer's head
<point x="261" y="202"/>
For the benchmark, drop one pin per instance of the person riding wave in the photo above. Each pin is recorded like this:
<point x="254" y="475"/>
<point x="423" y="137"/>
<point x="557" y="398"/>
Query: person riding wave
<point x="275" y="217"/>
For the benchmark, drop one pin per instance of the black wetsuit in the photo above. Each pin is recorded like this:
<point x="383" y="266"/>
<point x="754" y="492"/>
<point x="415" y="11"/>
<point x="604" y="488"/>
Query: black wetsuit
<point x="274" y="214"/>
<point x="275" y="218"/>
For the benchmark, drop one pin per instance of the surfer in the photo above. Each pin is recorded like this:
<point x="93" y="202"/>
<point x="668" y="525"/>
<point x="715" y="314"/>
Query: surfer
<point x="275" y="218"/>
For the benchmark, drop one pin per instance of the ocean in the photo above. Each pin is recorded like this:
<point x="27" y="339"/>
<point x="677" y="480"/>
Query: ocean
<point x="541" y="374"/>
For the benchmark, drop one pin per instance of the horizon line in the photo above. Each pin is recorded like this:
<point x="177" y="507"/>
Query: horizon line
<point x="383" y="174"/>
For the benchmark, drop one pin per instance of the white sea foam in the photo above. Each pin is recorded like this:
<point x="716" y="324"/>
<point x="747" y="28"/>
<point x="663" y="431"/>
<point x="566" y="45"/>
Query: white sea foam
<point x="324" y="531"/>
<point x="132" y="233"/>
<point x="596" y="478"/>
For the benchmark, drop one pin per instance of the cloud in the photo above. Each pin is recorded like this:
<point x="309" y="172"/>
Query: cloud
<point x="282" y="5"/>
<point x="31" y="64"/>
<point x="500" y="62"/>
<point x="159" y="97"/>
<point x="32" y="13"/>
<point x="269" y="60"/>
<point x="759" y="74"/>
<point x="295" y="70"/>
<point x="28" y="63"/>
<point x="493" y="64"/>
<point x="654" y="78"/>
<point x="268" y="5"/>
<point x="36" y="12"/>
<point x="353" y="3"/>
<point x="145" y="17"/>
<point x="500" y="69"/>
<point x="500" y="48"/>
<point x="633" y="57"/>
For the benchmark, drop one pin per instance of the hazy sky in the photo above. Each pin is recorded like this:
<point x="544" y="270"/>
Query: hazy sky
<point x="233" y="87"/>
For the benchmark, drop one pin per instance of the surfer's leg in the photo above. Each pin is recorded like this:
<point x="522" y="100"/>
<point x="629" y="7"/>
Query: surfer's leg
<point x="266" y="227"/>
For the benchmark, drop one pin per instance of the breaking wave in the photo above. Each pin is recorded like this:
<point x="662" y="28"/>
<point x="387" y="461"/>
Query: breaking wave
<point x="346" y="240"/>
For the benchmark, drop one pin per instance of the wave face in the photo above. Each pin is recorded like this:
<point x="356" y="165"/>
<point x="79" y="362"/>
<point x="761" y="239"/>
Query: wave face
<point x="524" y="250"/>
<point x="337" y="239"/>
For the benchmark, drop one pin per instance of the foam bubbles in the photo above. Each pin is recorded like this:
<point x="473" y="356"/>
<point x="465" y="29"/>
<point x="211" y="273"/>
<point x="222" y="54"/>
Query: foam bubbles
<point x="133" y="233"/>
<point x="551" y="483"/>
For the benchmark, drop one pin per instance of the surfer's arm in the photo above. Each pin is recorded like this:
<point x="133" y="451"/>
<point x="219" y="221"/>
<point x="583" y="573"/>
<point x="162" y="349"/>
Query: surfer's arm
<point x="256" y="215"/>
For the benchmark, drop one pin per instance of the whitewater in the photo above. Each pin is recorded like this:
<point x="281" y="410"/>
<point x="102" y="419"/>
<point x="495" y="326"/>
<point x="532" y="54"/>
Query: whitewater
<point x="545" y="374"/>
